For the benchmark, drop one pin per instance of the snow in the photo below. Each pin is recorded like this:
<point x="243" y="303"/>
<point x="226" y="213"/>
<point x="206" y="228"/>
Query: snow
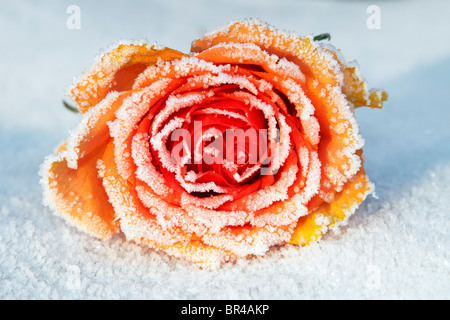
<point x="395" y="246"/>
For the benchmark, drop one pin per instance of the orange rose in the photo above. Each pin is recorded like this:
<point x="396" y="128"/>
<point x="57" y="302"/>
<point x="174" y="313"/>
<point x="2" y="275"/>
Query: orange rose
<point x="248" y="142"/>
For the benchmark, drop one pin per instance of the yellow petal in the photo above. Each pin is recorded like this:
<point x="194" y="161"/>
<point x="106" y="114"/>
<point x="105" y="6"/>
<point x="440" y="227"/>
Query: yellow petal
<point x="313" y="226"/>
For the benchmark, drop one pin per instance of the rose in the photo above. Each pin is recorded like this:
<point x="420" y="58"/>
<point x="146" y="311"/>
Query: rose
<point x="249" y="142"/>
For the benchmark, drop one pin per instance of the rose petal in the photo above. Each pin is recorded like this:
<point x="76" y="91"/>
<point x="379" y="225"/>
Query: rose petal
<point x="354" y="86"/>
<point x="136" y="221"/>
<point x="128" y="117"/>
<point x="248" y="240"/>
<point x="250" y="54"/>
<point x="340" y="139"/>
<point x="78" y="195"/>
<point x="116" y="71"/>
<point x="300" y="51"/>
<point x="195" y="251"/>
<point x="92" y="131"/>
<point x="329" y="215"/>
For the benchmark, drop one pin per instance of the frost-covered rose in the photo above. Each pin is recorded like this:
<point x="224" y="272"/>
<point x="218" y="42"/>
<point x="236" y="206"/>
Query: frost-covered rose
<point x="249" y="141"/>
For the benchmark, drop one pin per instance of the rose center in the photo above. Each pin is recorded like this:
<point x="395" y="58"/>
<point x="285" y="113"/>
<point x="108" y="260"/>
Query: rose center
<point x="223" y="141"/>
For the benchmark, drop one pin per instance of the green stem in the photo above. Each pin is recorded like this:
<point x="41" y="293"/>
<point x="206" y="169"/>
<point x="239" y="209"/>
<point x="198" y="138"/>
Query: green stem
<point x="322" y="36"/>
<point x="70" y="107"/>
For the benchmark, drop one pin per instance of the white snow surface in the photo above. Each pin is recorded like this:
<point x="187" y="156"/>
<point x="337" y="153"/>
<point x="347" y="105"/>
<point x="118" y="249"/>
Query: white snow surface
<point x="396" y="245"/>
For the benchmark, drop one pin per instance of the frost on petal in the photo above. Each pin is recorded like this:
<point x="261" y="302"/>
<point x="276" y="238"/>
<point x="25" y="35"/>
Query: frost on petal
<point x="248" y="240"/>
<point x="185" y="67"/>
<point x="251" y="54"/>
<point x="145" y="170"/>
<point x="194" y="251"/>
<point x="268" y="195"/>
<point x="128" y="116"/>
<point x="354" y="85"/>
<point x="92" y="131"/>
<point x="340" y="138"/>
<point x="190" y="217"/>
<point x="300" y="51"/>
<point x="116" y="70"/>
<point x="335" y="213"/>
<point x="274" y="119"/>
<point x="304" y="108"/>
<point x="78" y="195"/>
<point x="136" y="221"/>
<point x="290" y="208"/>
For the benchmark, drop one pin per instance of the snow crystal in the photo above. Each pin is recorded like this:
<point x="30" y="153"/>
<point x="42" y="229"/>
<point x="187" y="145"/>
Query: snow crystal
<point x="271" y="194"/>
<point x="210" y="80"/>
<point x="83" y="133"/>
<point x="281" y="149"/>
<point x="230" y="114"/>
<point x="305" y="110"/>
<point x="128" y="116"/>
<point x="145" y="169"/>
<point x="183" y="67"/>
<point x="256" y="242"/>
<point x="174" y="104"/>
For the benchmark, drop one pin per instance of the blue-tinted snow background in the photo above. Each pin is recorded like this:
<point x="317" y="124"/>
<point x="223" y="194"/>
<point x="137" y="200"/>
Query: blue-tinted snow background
<point x="396" y="246"/>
